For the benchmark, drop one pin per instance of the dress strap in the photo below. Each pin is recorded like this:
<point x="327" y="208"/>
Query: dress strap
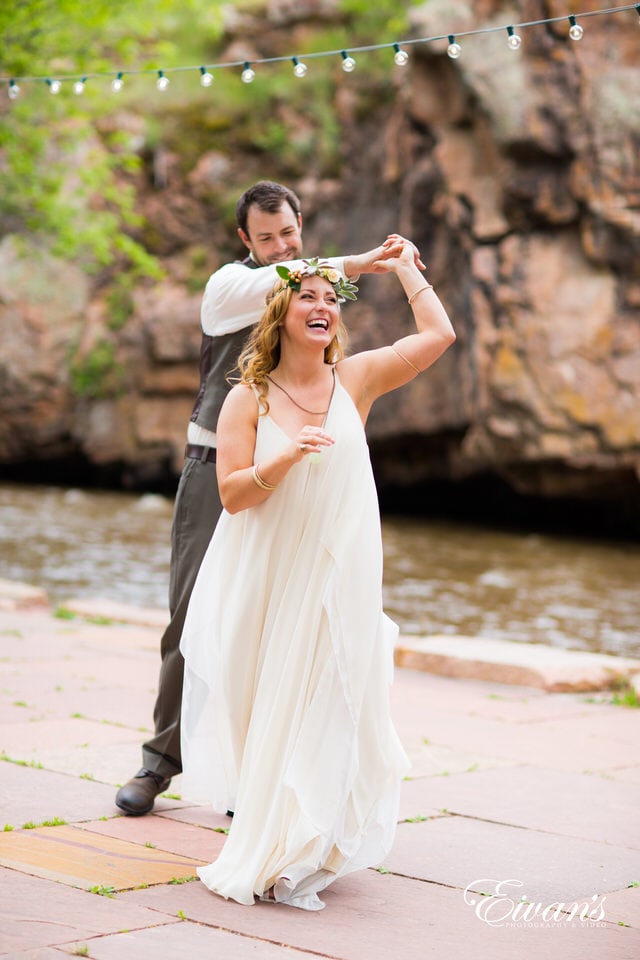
<point x="261" y="407"/>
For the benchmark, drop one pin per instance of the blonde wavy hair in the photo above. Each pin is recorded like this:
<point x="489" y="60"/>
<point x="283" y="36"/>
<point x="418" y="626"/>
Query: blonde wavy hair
<point x="261" y="353"/>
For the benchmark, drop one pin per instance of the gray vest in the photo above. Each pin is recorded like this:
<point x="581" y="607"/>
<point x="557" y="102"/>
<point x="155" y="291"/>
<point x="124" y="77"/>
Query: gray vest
<point x="218" y="360"/>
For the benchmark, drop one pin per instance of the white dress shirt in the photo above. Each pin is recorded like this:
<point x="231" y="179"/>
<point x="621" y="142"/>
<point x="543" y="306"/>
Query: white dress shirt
<point x="234" y="298"/>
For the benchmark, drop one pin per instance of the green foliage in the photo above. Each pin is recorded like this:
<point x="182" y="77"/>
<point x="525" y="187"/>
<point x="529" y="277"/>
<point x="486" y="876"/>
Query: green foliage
<point x="626" y="696"/>
<point x="62" y="180"/>
<point x="120" y="301"/>
<point x="71" y="168"/>
<point x="103" y="891"/>
<point x="63" y="613"/>
<point x="95" y="374"/>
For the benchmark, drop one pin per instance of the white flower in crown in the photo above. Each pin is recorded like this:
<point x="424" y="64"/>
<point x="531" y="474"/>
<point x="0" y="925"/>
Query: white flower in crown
<point x="333" y="276"/>
<point x="344" y="289"/>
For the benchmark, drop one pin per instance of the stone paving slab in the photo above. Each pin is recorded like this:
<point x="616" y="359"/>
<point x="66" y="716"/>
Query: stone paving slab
<point x="154" y="617"/>
<point x="479" y="698"/>
<point x="602" y="740"/>
<point x="189" y="940"/>
<point x="41" y="697"/>
<point x="434" y="760"/>
<point x="37" y="913"/>
<point x="626" y="774"/>
<point x="623" y="906"/>
<point x="376" y="916"/>
<point x="535" y="798"/>
<point x="199" y="814"/>
<point x="526" y="664"/>
<point x="84" y="859"/>
<point x="28" y="794"/>
<point x="46" y="953"/>
<point x="163" y="833"/>
<point x="111" y="763"/>
<point x="21" y="594"/>
<point x="458" y="851"/>
<point x="42" y="742"/>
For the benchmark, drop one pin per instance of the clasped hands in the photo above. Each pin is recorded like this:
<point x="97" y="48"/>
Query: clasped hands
<point x="383" y="258"/>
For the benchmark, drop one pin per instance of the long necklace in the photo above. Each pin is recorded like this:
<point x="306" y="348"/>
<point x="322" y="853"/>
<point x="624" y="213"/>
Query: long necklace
<point x="313" y="413"/>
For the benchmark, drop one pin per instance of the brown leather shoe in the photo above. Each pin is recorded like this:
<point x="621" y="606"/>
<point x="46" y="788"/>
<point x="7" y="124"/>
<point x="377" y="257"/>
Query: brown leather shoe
<point x="136" y="796"/>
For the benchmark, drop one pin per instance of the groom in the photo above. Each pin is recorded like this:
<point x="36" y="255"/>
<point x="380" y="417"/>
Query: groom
<point x="269" y="223"/>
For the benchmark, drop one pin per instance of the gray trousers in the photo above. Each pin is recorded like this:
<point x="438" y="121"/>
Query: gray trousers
<point x="196" y="512"/>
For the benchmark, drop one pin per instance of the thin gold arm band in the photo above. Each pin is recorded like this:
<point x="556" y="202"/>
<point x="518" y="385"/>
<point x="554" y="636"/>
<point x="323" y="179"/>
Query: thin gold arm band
<point x="406" y="359"/>
<point x="427" y="286"/>
<point x="260" y="482"/>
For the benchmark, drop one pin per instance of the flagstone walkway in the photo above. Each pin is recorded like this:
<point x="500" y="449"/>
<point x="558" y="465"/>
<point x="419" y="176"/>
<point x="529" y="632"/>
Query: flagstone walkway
<point x="519" y="800"/>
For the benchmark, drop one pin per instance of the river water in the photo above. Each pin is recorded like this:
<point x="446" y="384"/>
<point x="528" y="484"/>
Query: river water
<point x="440" y="577"/>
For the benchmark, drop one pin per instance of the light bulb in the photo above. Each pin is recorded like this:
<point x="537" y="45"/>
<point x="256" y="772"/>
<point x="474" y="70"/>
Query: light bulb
<point x="401" y="56"/>
<point x="14" y="90"/>
<point x="299" y="69"/>
<point x="348" y="63"/>
<point x="78" y="87"/>
<point x="513" y="40"/>
<point x="162" y="82"/>
<point x="576" y="32"/>
<point x="206" y="78"/>
<point x="454" y="49"/>
<point x="54" y="86"/>
<point x="247" y="74"/>
<point x="117" y="83"/>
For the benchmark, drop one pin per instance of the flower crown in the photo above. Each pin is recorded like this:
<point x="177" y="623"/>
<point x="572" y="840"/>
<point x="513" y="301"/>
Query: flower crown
<point x="344" y="289"/>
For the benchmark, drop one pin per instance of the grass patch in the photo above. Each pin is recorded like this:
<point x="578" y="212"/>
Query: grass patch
<point x="21" y="763"/>
<point x="63" y="613"/>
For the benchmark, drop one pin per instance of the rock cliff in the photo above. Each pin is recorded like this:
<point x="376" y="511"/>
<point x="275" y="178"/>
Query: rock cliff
<point x="517" y="174"/>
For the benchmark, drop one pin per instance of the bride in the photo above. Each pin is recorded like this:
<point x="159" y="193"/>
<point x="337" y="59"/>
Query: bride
<point x="288" y="654"/>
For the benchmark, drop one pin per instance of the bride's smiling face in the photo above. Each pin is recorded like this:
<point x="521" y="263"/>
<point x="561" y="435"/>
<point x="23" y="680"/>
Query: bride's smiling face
<point x="313" y="314"/>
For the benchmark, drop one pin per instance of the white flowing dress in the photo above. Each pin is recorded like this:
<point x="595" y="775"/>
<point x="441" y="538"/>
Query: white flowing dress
<point x="288" y="661"/>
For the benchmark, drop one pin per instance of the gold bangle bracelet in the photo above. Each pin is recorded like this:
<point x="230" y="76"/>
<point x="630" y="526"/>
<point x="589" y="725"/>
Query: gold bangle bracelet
<point x="260" y="482"/>
<point x="427" y="286"/>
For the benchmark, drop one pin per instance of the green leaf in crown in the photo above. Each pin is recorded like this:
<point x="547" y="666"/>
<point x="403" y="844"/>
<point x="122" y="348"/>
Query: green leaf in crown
<point x="345" y="290"/>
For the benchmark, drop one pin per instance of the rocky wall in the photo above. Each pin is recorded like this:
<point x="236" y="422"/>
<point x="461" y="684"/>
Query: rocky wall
<point x="515" y="172"/>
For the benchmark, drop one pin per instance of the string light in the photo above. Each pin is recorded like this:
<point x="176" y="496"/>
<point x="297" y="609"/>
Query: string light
<point x="77" y="83"/>
<point x="348" y="63"/>
<point x="401" y="57"/>
<point x="575" y="30"/>
<point x="454" y="49"/>
<point x="513" y="40"/>
<point x="299" y="69"/>
<point x="206" y="78"/>
<point x="248" y="74"/>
